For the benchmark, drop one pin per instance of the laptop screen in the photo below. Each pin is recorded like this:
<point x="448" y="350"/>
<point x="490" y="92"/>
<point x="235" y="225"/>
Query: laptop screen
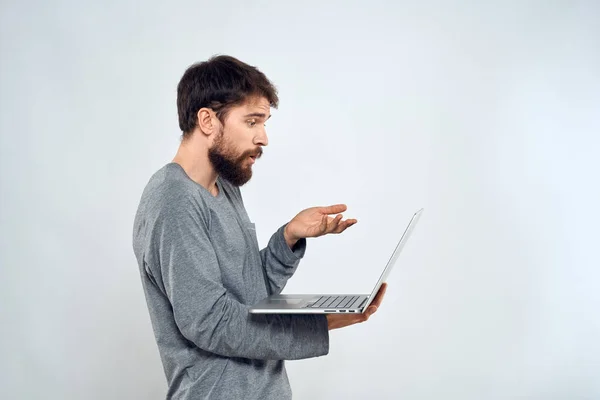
<point x="395" y="255"/>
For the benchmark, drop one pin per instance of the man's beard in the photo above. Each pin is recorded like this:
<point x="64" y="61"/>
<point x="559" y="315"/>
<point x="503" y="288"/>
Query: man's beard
<point x="227" y="165"/>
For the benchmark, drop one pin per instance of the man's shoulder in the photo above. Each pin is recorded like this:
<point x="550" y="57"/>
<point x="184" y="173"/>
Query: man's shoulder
<point x="169" y="189"/>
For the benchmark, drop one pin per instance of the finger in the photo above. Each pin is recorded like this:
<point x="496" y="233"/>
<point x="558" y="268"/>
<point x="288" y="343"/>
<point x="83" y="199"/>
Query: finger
<point x="345" y="225"/>
<point x="335" y="209"/>
<point x="333" y="223"/>
<point x="379" y="296"/>
<point x="342" y="226"/>
<point x="372" y="309"/>
<point x="323" y="225"/>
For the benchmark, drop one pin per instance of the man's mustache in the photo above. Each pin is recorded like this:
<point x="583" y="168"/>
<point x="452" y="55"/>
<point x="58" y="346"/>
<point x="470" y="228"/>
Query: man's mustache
<point x="252" y="153"/>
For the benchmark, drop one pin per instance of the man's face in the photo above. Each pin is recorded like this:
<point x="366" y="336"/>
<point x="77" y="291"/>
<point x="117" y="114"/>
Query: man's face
<point x="239" y="142"/>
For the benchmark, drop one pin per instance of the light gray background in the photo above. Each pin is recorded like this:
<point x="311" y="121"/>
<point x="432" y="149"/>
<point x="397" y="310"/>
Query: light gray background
<point x="484" y="113"/>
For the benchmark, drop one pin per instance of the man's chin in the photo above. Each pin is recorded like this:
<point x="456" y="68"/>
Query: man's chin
<point x="238" y="180"/>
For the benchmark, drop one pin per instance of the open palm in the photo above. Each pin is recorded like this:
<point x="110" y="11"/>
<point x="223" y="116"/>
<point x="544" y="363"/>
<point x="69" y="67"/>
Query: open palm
<point x="316" y="221"/>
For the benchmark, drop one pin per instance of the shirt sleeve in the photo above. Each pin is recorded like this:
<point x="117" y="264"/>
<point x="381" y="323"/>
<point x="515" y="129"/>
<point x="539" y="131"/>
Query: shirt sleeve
<point x="279" y="261"/>
<point x="208" y="316"/>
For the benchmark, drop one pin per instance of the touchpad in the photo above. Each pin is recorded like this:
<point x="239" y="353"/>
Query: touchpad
<point x="285" y="301"/>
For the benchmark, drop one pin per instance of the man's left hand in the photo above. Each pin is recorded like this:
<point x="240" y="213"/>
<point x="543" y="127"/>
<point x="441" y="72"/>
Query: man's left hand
<point x="315" y="222"/>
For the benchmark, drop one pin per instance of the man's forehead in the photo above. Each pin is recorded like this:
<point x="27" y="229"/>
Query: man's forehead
<point x="256" y="104"/>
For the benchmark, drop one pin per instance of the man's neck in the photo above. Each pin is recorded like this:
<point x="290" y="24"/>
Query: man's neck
<point x="197" y="166"/>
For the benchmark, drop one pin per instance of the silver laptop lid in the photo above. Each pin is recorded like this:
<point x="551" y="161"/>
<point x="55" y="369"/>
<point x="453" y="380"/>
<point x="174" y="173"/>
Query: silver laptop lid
<point x="395" y="255"/>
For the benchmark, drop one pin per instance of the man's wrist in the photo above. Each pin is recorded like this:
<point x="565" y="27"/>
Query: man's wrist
<point x="291" y="242"/>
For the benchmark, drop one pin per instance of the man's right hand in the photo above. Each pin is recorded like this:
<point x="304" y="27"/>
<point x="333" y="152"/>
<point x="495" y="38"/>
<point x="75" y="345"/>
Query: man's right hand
<point x="335" y="321"/>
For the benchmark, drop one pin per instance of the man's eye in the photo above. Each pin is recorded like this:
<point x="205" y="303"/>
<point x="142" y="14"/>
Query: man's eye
<point x="251" y="122"/>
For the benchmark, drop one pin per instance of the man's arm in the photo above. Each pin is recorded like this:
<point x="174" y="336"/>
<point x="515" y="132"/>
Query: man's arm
<point x="280" y="260"/>
<point x="206" y="314"/>
<point x="287" y="246"/>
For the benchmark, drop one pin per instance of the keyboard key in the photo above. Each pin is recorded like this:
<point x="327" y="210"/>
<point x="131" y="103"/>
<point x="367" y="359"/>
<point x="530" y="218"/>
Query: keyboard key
<point x="337" y="301"/>
<point x="319" y="302"/>
<point x="349" y="300"/>
<point x="328" y="302"/>
<point x="355" y="302"/>
<point x="363" y="303"/>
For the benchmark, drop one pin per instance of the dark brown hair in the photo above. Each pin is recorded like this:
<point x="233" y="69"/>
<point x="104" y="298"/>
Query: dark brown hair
<point x="219" y="84"/>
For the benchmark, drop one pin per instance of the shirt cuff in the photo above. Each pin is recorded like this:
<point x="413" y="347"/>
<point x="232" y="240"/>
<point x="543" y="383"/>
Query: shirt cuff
<point x="287" y="255"/>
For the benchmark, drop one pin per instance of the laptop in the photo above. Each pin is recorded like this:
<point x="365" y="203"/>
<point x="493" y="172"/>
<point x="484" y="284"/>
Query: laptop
<point x="338" y="303"/>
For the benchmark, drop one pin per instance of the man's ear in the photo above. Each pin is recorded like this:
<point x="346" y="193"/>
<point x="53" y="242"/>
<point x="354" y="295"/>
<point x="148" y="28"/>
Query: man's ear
<point x="207" y="121"/>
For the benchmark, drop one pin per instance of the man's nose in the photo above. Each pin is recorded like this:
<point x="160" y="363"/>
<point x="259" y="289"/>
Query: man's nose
<point x="261" y="139"/>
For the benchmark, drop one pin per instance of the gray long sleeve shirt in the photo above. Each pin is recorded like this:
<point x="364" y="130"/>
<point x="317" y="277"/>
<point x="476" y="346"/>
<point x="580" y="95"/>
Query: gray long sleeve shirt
<point x="201" y="269"/>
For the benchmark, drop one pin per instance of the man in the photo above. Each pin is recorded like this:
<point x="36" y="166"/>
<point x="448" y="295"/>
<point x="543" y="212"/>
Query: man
<point x="198" y="255"/>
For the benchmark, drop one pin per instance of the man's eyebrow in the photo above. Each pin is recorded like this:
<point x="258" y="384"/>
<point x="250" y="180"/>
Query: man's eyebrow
<point x="258" y="115"/>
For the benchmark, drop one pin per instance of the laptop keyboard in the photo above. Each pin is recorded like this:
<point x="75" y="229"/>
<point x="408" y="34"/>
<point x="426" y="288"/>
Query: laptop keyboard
<point x="334" y="302"/>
